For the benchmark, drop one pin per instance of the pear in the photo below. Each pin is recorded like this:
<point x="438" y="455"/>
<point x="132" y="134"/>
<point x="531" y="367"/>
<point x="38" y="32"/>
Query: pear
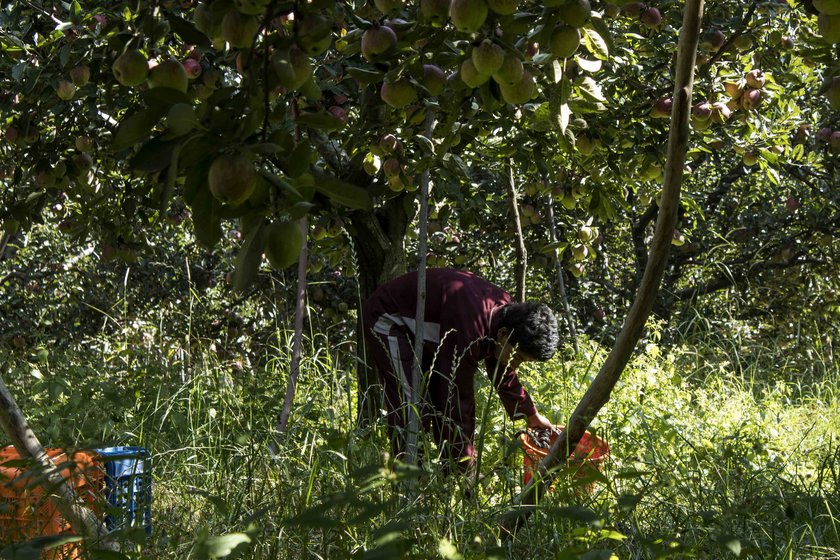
<point x="565" y="40"/>
<point x="377" y="41"/>
<point x="399" y="93"/>
<point x="232" y="178"/>
<point x="131" y="68"/>
<point x="522" y="91"/>
<point x="488" y="57"/>
<point x="169" y="74"/>
<point x="468" y="15"/>
<point x="510" y="72"/>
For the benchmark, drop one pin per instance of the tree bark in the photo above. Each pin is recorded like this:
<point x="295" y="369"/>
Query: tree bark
<point x="521" y="253"/>
<point x="297" y="339"/>
<point x="82" y="520"/>
<point x="379" y="245"/>
<point x="599" y="392"/>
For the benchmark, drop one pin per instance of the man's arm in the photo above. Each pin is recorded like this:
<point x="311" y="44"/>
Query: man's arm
<point x="515" y="399"/>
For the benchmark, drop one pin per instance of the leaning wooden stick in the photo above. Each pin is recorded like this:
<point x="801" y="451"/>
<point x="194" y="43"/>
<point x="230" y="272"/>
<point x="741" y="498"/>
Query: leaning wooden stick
<point x="599" y="392"/>
<point x="82" y="520"/>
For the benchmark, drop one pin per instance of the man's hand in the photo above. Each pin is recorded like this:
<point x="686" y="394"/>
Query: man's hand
<point x="537" y="420"/>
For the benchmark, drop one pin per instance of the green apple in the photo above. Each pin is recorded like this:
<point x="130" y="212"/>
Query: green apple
<point x="232" y="178"/>
<point x="131" y="68"/>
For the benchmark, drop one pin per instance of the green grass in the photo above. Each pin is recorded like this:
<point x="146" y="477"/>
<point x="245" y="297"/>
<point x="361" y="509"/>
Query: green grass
<point x="719" y="450"/>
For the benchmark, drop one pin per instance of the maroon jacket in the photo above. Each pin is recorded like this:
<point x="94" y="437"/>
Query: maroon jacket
<point x="459" y="311"/>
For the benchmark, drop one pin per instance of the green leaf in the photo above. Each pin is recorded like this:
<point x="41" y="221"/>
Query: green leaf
<point x="187" y="31"/>
<point x="425" y="144"/>
<point x="154" y="156"/>
<point x="135" y="128"/>
<point x="321" y="120"/>
<point x="298" y="161"/>
<point x="732" y="543"/>
<point x="344" y="193"/>
<point x="364" y="76"/>
<point x="171" y="177"/>
<point x="208" y="226"/>
<point x="162" y="98"/>
<point x="249" y="258"/>
<point x="223" y="545"/>
<point x="590" y="89"/>
<point x="595" y="43"/>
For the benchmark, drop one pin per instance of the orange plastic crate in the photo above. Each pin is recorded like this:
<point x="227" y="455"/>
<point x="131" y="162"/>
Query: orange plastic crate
<point x="27" y="512"/>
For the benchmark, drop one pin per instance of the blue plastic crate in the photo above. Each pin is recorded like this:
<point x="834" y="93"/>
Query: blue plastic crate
<point x="128" y="487"/>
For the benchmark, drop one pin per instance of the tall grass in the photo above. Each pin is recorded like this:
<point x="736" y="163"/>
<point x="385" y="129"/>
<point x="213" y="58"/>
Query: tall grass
<point x="720" y="449"/>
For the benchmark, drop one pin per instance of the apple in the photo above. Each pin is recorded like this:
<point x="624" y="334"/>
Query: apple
<point x="835" y="140"/>
<point x="399" y="93"/>
<point x="576" y="12"/>
<point x="389" y="7"/>
<point x="832" y="93"/>
<point x="232" y="178"/>
<point x="84" y="143"/>
<point x="388" y="143"/>
<point x="131" y="68"/>
<point x="743" y="42"/>
<point x="12" y="134"/>
<point x="633" y="9"/>
<point x="792" y="204"/>
<point x="755" y="79"/>
<point x="169" y="74"/>
<point x="577" y="269"/>
<point x="662" y="108"/>
<point x="378" y="41"/>
<point x="750" y="157"/>
<point x="239" y="29"/>
<point x="824" y="135"/>
<point x="522" y="91"/>
<point x="828" y="7"/>
<point x="470" y="75"/>
<point x="651" y="17"/>
<point x="65" y="90"/>
<point x="580" y="251"/>
<point x="192" y="67"/>
<point x="435" y="11"/>
<point x="702" y="111"/>
<point x="284" y="240"/>
<point x="291" y="67"/>
<point x="751" y="98"/>
<point x="510" y="72"/>
<point x="314" y="34"/>
<point x="564" y="41"/>
<point x="829" y="27"/>
<point x="532" y="49"/>
<point x="488" y="57"/>
<point x="713" y="40"/>
<point x="80" y="74"/>
<point x="339" y="113"/>
<point x="599" y="313"/>
<point x="787" y="42"/>
<point x="392" y="167"/>
<point x="83" y="161"/>
<point x="503" y="7"/>
<point x="468" y="15"/>
<point x="434" y="79"/>
<point x="733" y="89"/>
<point x="250" y="7"/>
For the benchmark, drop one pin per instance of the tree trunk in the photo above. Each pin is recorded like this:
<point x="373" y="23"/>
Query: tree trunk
<point x="599" y="392"/>
<point x="81" y="519"/>
<point x="379" y="245"/>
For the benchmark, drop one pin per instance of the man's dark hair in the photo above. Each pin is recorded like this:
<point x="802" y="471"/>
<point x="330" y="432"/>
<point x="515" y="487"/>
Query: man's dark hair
<point x="533" y="328"/>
